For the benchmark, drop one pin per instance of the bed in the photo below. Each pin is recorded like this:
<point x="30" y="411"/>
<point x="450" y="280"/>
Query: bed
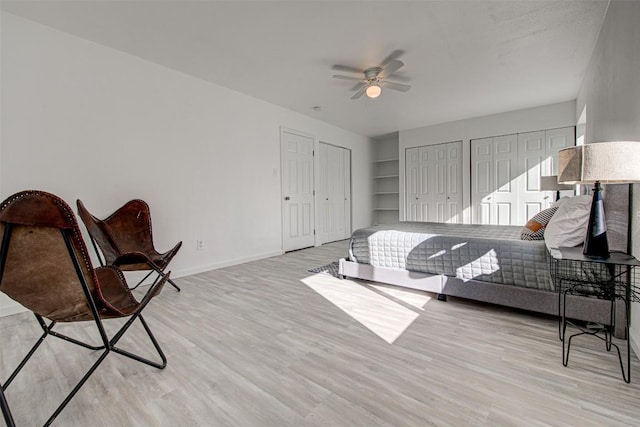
<point x="486" y="263"/>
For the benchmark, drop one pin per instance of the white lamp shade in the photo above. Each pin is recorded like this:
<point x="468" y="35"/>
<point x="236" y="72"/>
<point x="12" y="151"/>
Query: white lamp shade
<point x="608" y="162"/>
<point x="550" y="183"/>
<point x="373" y="91"/>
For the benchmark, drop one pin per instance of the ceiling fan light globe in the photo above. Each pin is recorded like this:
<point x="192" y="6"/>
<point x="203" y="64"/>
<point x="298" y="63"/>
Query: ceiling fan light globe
<point x="373" y="91"/>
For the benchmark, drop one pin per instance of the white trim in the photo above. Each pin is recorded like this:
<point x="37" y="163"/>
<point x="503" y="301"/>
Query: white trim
<point x="297" y="132"/>
<point x="223" y="264"/>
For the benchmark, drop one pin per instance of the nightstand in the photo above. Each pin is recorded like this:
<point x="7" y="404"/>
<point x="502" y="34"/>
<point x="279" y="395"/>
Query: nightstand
<point x="613" y="279"/>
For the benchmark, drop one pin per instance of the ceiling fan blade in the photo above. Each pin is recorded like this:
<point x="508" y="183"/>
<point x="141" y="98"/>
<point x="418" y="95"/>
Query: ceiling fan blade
<point x="393" y="55"/>
<point x="347" y="69"/>
<point x="393" y="66"/>
<point x="395" y="86"/>
<point x="338" y="76"/>
<point x="358" y="86"/>
<point x="359" y="93"/>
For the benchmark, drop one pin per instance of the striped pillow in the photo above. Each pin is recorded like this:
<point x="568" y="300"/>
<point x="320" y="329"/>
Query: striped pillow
<point x="534" y="228"/>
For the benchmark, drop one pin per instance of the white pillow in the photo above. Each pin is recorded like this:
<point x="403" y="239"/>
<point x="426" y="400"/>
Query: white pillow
<point x="568" y="226"/>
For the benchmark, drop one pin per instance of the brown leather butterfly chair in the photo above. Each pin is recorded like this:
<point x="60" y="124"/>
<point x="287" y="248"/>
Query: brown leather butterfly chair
<point x="45" y="266"/>
<point x="125" y="239"/>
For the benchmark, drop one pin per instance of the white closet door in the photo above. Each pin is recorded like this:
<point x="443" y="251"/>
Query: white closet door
<point x="322" y="194"/>
<point x="347" y="193"/>
<point x="538" y="153"/>
<point x="412" y="167"/>
<point x="417" y="184"/>
<point x="506" y="171"/>
<point x="298" y="221"/>
<point x="532" y="152"/>
<point x="557" y="139"/>
<point x="336" y="193"/>
<point x="333" y="193"/>
<point x="454" y="183"/>
<point x="438" y="201"/>
<point x="493" y="174"/>
<point x="433" y="176"/>
<point x="481" y="180"/>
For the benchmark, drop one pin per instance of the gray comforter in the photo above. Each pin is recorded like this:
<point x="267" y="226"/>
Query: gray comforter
<point x="487" y="253"/>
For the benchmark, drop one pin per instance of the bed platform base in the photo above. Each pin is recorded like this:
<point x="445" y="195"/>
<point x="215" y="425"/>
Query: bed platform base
<point x="536" y="300"/>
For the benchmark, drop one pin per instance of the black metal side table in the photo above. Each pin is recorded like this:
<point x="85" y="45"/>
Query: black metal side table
<point x="611" y="279"/>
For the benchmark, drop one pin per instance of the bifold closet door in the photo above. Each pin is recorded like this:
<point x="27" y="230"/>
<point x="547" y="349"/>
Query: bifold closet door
<point x="494" y="164"/>
<point x="532" y="154"/>
<point x="538" y="156"/>
<point x="433" y="176"/>
<point x="418" y="175"/>
<point x="334" y="193"/>
<point x="506" y="171"/>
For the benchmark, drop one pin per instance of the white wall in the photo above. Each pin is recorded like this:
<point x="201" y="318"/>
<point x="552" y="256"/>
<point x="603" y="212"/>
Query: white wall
<point x="386" y="146"/>
<point x="529" y="120"/>
<point x="84" y="121"/>
<point x="611" y="93"/>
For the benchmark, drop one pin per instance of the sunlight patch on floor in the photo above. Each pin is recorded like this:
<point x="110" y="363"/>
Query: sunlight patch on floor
<point x="376" y="309"/>
<point x="414" y="298"/>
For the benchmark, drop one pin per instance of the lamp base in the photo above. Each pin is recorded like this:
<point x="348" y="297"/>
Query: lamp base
<point x="596" y="244"/>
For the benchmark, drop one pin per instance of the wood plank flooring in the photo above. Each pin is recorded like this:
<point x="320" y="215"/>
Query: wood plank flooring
<point x="269" y="344"/>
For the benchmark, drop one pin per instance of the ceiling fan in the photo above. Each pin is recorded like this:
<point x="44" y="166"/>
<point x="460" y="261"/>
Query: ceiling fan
<point x="374" y="77"/>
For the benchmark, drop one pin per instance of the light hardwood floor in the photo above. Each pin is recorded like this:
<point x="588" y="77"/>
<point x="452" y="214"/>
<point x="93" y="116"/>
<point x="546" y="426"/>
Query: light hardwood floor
<point x="269" y="344"/>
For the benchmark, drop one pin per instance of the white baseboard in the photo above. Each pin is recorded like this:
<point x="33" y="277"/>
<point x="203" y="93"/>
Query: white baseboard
<point x="222" y="264"/>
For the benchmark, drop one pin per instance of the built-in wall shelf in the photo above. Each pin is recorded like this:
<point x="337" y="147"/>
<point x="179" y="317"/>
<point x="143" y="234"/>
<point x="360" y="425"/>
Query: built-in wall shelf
<point x="386" y="189"/>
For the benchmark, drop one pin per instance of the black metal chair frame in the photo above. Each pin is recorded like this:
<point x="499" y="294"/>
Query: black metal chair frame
<point x="108" y="345"/>
<point x="6" y="412"/>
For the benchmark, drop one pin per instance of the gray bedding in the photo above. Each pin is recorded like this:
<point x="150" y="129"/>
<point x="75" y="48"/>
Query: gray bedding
<point x="487" y="253"/>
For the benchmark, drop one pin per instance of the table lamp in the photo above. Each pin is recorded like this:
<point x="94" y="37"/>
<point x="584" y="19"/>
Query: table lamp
<point x="599" y="163"/>
<point x="550" y="183"/>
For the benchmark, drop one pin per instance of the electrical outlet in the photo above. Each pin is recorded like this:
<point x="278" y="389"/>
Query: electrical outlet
<point x="199" y="245"/>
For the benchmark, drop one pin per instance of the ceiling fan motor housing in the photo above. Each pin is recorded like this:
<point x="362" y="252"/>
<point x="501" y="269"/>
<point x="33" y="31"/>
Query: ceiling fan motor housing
<point x="372" y="73"/>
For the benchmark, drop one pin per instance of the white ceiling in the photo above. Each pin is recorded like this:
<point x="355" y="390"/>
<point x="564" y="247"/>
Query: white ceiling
<point x="463" y="58"/>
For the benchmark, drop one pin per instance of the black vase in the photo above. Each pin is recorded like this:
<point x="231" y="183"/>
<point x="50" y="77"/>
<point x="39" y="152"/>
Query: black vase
<point x="596" y="245"/>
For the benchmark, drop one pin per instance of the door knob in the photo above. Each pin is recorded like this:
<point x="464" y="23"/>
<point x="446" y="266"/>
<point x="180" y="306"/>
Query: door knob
<point x="287" y="198"/>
